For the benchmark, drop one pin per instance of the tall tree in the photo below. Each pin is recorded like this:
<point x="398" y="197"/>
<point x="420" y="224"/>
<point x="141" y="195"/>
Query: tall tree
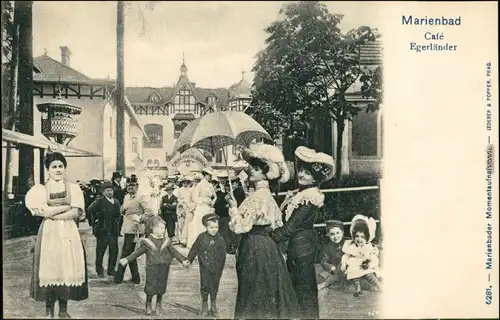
<point x="120" y="87"/>
<point x="307" y="67"/>
<point x="12" y="31"/>
<point x="25" y="85"/>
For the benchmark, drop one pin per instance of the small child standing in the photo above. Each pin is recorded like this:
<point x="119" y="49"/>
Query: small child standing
<point x="159" y="255"/>
<point x="331" y="254"/>
<point x="360" y="260"/>
<point x="210" y="248"/>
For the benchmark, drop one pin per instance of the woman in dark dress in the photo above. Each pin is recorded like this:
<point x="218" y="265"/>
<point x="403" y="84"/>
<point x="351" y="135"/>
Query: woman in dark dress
<point x="264" y="286"/>
<point x="299" y="215"/>
<point x="59" y="266"/>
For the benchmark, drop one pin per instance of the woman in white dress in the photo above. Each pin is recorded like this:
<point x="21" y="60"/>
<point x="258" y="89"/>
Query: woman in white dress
<point x="59" y="264"/>
<point x="183" y="195"/>
<point x="204" y="197"/>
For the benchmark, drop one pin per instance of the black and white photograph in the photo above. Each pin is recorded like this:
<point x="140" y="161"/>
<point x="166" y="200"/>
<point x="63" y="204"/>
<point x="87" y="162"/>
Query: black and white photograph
<point x="186" y="160"/>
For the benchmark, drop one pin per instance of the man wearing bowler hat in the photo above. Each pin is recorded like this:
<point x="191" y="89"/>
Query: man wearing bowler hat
<point x="169" y="210"/>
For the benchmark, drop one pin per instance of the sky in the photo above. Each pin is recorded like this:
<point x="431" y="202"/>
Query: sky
<point x="219" y="40"/>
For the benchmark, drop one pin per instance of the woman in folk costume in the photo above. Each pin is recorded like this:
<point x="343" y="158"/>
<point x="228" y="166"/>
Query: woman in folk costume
<point x="184" y="208"/>
<point x="265" y="289"/>
<point x="361" y="257"/>
<point x="300" y="211"/>
<point x="59" y="267"/>
<point x="204" y="197"/>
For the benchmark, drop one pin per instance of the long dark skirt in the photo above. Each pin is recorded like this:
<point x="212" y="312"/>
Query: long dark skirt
<point x="264" y="286"/>
<point x="156" y="278"/>
<point x="61" y="292"/>
<point x="303" y="274"/>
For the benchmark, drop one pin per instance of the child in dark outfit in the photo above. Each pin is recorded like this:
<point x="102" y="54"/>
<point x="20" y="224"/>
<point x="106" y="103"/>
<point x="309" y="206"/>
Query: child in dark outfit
<point x="210" y="248"/>
<point x="331" y="254"/>
<point x="159" y="255"/>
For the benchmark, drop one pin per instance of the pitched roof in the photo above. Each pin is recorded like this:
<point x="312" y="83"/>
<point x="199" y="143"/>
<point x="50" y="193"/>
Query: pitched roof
<point x="52" y="68"/>
<point x="141" y="95"/>
<point x="371" y="53"/>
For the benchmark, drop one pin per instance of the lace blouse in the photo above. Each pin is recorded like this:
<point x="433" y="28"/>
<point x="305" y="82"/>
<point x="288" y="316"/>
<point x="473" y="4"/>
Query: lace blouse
<point x="259" y="208"/>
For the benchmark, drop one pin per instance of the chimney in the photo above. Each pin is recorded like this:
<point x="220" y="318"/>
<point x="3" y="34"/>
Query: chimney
<point x="65" y="56"/>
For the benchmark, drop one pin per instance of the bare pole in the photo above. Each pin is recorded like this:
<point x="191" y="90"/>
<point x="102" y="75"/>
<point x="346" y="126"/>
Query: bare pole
<point x="25" y="85"/>
<point x="120" y="88"/>
<point x="14" y="66"/>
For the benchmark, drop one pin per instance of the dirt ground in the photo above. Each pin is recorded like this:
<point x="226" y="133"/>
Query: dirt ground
<point x="126" y="300"/>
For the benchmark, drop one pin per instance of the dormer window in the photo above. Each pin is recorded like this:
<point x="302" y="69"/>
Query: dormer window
<point x="154" y="98"/>
<point x="211" y="99"/>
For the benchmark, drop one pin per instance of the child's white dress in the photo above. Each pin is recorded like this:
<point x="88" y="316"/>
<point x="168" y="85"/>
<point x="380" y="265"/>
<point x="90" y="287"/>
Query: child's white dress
<point x="353" y="259"/>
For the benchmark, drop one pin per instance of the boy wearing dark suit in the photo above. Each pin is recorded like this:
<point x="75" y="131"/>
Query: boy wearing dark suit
<point x="210" y="248"/>
<point x="169" y="210"/>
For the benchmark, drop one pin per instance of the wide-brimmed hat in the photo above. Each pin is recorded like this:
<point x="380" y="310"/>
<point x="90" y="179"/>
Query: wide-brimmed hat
<point x="320" y="162"/>
<point x="209" y="171"/>
<point x="360" y="221"/>
<point x="132" y="180"/>
<point x="107" y="185"/>
<point x="197" y="175"/>
<point x="272" y="156"/>
<point x="185" y="178"/>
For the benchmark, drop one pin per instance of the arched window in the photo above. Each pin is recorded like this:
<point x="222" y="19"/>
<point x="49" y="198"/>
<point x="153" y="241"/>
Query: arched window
<point x="157" y="163"/>
<point x="150" y="163"/>
<point x="179" y="126"/>
<point x="135" y="145"/>
<point x="155" y="136"/>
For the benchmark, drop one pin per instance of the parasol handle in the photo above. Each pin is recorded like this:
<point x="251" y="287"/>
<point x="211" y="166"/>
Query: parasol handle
<point x="227" y="169"/>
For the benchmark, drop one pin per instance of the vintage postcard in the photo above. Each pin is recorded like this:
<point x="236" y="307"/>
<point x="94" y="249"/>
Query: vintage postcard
<point x="250" y="160"/>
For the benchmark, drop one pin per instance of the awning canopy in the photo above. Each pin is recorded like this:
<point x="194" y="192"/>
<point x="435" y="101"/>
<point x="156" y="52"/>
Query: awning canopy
<point x="44" y="143"/>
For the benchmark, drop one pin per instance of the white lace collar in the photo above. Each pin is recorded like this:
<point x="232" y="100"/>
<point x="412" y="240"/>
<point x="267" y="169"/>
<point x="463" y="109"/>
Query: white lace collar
<point x="310" y="195"/>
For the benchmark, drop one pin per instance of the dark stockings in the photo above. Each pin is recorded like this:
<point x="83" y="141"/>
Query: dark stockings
<point x="213" y="303"/>
<point x="49" y="307"/>
<point x="204" y="303"/>
<point x="159" y="310"/>
<point x="357" y="285"/>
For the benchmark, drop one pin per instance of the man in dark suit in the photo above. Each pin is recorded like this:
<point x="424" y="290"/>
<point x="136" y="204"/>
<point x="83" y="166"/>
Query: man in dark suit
<point x="118" y="193"/>
<point x="169" y="210"/>
<point x="222" y="210"/>
<point x="105" y="211"/>
<point x="239" y="196"/>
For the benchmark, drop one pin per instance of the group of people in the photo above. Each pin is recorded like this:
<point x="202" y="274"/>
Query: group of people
<point x="276" y="246"/>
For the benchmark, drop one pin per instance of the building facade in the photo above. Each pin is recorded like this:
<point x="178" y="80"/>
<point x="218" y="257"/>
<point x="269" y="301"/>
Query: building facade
<point x="362" y="147"/>
<point x="166" y="111"/>
<point x="97" y="122"/>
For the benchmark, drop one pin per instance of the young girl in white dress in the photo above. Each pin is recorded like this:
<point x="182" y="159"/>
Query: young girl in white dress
<point x="360" y="259"/>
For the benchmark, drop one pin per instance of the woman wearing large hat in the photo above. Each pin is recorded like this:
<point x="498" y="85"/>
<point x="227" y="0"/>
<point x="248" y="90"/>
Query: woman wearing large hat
<point x="299" y="215"/>
<point x="204" y="197"/>
<point x="184" y="208"/>
<point x="264" y="286"/>
<point x="59" y="267"/>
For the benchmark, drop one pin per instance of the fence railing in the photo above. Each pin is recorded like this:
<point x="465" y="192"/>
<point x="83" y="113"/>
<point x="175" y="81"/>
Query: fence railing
<point x="336" y="190"/>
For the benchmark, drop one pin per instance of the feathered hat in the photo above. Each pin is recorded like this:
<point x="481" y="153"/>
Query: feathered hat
<point x="272" y="156"/>
<point x="319" y="162"/>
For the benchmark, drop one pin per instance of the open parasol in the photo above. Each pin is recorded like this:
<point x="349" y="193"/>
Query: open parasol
<point x="217" y="130"/>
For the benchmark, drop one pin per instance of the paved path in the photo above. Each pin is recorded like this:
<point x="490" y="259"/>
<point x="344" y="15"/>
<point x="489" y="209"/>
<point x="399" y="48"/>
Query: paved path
<point x="126" y="300"/>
